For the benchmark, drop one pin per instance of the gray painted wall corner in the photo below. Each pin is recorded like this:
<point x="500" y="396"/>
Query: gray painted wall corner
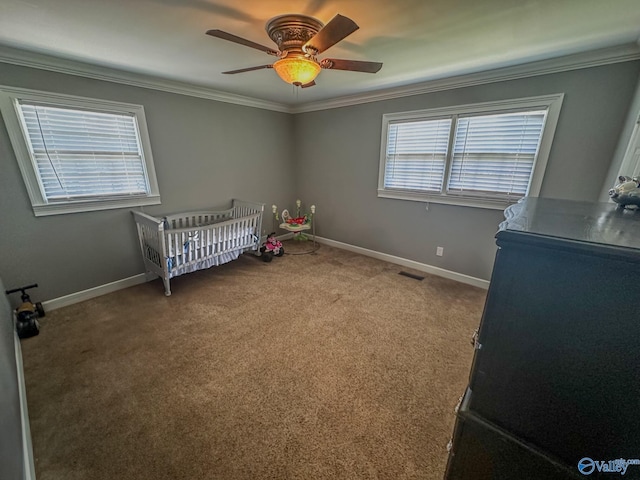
<point x="205" y="153"/>
<point x="623" y="142"/>
<point x="338" y="154"/>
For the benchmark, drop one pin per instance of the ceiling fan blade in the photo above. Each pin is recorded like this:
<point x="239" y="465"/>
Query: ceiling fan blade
<point x="351" y="65"/>
<point x="307" y="85"/>
<point x="250" y="69"/>
<point x="339" y="27"/>
<point x="242" y="41"/>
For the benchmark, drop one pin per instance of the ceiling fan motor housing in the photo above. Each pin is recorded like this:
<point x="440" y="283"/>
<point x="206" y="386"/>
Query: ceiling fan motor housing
<point x="300" y="38"/>
<point x="290" y="32"/>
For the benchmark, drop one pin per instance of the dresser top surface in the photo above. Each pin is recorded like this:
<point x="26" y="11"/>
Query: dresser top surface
<point x="595" y="223"/>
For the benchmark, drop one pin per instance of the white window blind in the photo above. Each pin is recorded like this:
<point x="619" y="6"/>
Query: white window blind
<point x="495" y="154"/>
<point x="484" y="155"/>
<point x="416" y="155"/>
<point x="84" y="154"/>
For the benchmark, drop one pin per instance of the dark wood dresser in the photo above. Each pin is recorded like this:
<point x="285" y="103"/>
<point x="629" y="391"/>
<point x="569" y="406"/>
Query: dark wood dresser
<point x="556" y="372"/>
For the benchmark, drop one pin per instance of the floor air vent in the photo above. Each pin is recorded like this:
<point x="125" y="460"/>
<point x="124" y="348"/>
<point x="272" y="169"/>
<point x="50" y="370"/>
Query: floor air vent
<point x="412" y="275"/>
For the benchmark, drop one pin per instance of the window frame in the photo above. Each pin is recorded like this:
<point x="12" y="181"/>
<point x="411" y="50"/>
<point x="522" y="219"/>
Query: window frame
<point x="11" y="112"/>
<point x="552" y="103"/>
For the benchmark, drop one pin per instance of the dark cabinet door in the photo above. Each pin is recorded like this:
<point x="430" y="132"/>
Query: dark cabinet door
<point x="556" y="374"/>
<point x="559" y="365"/>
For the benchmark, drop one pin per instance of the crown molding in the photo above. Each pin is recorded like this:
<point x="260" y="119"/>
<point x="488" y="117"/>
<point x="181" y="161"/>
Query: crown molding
<point x="594" y="58"/>
<point x="26" y="58"/>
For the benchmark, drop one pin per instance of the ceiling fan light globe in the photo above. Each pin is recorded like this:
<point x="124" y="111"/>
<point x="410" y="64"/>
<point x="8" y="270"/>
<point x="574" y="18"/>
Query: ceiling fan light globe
<point x="297" y="70"/>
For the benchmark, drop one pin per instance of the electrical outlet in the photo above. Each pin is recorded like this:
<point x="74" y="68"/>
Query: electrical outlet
<point x="439" y="251"/>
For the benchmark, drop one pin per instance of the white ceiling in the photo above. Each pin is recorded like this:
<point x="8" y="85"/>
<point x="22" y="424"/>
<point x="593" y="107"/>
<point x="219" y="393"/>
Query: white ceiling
<point x="417" y="40"/>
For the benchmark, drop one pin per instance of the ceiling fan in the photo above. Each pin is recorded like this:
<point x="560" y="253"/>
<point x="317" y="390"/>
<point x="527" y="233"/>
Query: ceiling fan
<point x="300" y="39"/>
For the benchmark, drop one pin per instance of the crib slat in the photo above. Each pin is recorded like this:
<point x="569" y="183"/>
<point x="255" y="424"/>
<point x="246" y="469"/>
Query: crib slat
<point x="223" y="244"/>
<point x="179" y="241"/>
<point x="203" y="243"/>
<point x="185" y="255"/>
<point x="245" y="232"/>
<point x="234" y="236"/>
<point x="218" y="243"/>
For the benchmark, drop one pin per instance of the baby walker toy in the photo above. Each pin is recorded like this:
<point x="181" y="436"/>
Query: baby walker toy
<point x="27" y="313"/>
<point x="298" y="226"/>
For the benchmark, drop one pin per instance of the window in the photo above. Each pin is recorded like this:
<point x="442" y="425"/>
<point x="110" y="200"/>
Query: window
<point x="483" y="155"/>
<point x="79" y="154"/>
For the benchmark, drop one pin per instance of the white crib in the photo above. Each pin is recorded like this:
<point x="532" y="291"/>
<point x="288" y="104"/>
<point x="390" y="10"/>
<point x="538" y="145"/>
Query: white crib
<point x="185" y="242"/>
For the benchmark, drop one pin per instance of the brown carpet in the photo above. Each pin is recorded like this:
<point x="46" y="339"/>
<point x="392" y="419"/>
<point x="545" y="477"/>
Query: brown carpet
<point x="322" y="366"/>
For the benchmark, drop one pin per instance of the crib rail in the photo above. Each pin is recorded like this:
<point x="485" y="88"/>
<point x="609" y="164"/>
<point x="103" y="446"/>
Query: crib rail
<point x="152" y="242"/>
<point x="241" y="208"/>
<point x="197" y="219"/>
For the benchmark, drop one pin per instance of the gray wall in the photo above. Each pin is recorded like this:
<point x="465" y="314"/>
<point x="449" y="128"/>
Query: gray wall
<point x="621" y="148"/>
<point x="338" y="154"/>
<point x="11" y="454"/>
<point x="205" y="153"/>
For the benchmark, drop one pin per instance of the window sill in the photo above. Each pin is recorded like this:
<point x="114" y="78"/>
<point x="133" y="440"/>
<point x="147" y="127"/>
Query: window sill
<point x="474" y="202"/>
<point x="93" y="205"/>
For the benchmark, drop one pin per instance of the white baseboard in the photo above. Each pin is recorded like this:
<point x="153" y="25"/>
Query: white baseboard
<point x="27" y="447"/>
<point x="114" y="286"/>
<point x="142" y="278"/>
<point x="422" y="267"/>
<point x="94" y="292"/>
